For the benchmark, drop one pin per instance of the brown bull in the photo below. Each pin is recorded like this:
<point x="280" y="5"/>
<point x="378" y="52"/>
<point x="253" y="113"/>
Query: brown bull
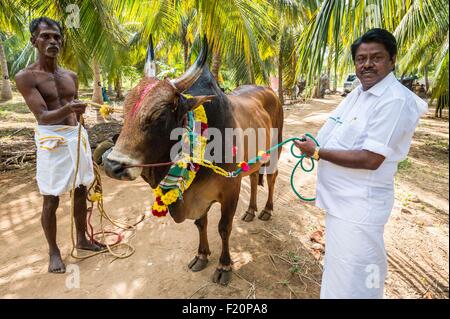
<point x="151" y="115"/>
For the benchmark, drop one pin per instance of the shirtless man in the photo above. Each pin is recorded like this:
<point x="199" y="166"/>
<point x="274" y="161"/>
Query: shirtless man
<point x="51" y="94"/>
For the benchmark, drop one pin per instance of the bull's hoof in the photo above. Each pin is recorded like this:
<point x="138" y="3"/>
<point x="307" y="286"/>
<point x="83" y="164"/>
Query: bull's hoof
<point x="248" y="216"/>
<point x="265" y="215"/>
<point x="198" y="264"/>
<point x="222" y="276"/>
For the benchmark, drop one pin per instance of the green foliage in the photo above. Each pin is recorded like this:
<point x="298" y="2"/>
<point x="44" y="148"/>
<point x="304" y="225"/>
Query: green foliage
<point x="405" y="164"/>
<point x="251" y="37"/>
<point x="421" y="28"/>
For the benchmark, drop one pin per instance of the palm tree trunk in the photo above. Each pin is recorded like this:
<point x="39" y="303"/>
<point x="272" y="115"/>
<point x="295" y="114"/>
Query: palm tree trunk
<point x="316" y="89"/>
<point x="118" y="87"/>
<point x="250" y="72"/>
<point x="336" y="54"/>
<point x="329" y="77"/>
<point x="280" y="74"/>
<point x="6" y="85"/>
<point x="185" y="53"/>
<point x="110" y="88"/>
<point x="97" y="96"/>
<point x="97" y="90"/>
<point x="425" y="74"/>
<point x="216" y="63"/>
<point x="335" y="78"/>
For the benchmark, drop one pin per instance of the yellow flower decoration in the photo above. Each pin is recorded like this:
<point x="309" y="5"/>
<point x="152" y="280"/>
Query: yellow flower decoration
<point x="96" y="197"/>
<point x="106" y="110"/>
<point x="188" y="96"/>
<point x="170" y="197"/>
<point x="182" y="164"/>
<point x="200" y="114"/>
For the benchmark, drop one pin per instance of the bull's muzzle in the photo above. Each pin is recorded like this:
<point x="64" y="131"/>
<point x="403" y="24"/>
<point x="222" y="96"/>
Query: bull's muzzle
<point x="115" y="165"/>
<point x="115" y="170"/>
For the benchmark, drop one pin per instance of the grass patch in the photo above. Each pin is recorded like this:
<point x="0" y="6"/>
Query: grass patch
<point x="19" y="107"/>
<point x="405" y="164"/>
<point x="294" y="259"/>
<point x="15" y="112"/>
<point x="437" y="145"/>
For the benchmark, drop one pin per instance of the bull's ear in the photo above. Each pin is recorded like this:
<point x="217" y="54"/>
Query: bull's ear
<point x="189" y="103"/>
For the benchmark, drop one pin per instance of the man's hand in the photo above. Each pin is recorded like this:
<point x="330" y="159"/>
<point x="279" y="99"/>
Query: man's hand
<point x="307" y="147"/>
<point x="77" y="106"/>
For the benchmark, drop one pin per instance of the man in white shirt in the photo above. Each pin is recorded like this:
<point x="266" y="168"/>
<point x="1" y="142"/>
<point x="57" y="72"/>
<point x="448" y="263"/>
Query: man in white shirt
<point x="360" y="147"/>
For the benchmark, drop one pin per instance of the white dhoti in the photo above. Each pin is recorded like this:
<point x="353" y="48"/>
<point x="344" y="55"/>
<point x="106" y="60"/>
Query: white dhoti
<point x="57" y="156"/>
<point x="355" y="260"/>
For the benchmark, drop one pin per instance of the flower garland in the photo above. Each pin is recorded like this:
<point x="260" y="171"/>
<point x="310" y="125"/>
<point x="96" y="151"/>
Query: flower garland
<point x="184" y="167"/>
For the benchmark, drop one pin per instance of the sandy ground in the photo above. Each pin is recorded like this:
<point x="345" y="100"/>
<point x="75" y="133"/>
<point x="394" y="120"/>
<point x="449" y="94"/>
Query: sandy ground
<point x="273" y="259"/>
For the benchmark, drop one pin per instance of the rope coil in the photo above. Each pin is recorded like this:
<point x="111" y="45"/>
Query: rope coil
<point x="95" y="195"/>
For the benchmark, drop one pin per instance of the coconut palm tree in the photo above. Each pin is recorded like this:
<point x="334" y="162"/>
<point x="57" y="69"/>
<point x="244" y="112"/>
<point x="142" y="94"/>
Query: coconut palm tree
<point x="10" y="22"/>
<point x="6" y="93"/>
<point x="290" y="17"/>
<point x="420" y="26"/>
<point x="93" y="42"/>
<point x="236" y="30"/>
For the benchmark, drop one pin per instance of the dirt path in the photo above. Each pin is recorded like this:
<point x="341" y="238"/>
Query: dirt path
<point x="272" y="259"/>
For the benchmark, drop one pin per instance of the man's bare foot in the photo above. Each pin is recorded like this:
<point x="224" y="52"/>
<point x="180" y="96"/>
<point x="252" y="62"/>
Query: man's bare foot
<point x="55" y="264"/>
<point x="86" y="244"/>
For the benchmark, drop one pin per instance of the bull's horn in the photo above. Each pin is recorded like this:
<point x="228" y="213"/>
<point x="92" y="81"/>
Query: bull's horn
<point x="150" y="65"/>
<point x="185" y="81"/>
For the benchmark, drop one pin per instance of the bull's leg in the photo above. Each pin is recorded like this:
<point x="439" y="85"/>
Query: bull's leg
<point x="249" y="215"/>
<point x="201" y="260"/>
<point x="266" y="213"/>
<point x="222" y="274"/>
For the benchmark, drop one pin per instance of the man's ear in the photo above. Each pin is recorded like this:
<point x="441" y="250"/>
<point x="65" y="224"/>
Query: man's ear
<point x="394" y="59"/>
<point x="33" y="40"/>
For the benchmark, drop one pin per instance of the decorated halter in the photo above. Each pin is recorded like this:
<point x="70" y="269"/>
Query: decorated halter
<point x="182" y="173"/>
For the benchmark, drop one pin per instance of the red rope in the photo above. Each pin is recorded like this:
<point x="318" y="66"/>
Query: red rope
<point x="92" y="235"/>
<point x="150" y="165"/>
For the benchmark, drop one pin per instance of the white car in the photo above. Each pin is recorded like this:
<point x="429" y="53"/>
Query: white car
<point x="351" y="83"/>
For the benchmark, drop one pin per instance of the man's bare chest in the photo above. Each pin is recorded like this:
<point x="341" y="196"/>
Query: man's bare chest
<point x="58" y="88"/>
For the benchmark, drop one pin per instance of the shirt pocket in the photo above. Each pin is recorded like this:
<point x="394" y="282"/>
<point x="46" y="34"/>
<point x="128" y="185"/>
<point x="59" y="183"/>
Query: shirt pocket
<point x="349" y="133"/>
<point x="326" y="130"/>
<point x="381" y="201"/>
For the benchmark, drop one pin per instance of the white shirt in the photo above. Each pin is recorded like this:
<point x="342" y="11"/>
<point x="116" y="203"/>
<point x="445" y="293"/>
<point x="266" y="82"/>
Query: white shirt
<point x="381" y="120"/>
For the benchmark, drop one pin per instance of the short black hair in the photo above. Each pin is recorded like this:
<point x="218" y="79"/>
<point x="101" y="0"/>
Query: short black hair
<point x="377" y="35"/>
<point x="34" y="25"/>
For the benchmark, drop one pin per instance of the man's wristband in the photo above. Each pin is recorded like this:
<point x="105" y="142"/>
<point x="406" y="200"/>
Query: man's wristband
<point x="316" y="153"/>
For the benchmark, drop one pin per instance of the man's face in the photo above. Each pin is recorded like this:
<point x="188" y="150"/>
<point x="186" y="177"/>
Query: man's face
<point x="372" y="63"/>
<point x="48" y="40"/>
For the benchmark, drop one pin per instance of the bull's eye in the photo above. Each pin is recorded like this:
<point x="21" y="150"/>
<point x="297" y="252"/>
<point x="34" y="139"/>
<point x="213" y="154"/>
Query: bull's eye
<point x="155" y="123"/>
